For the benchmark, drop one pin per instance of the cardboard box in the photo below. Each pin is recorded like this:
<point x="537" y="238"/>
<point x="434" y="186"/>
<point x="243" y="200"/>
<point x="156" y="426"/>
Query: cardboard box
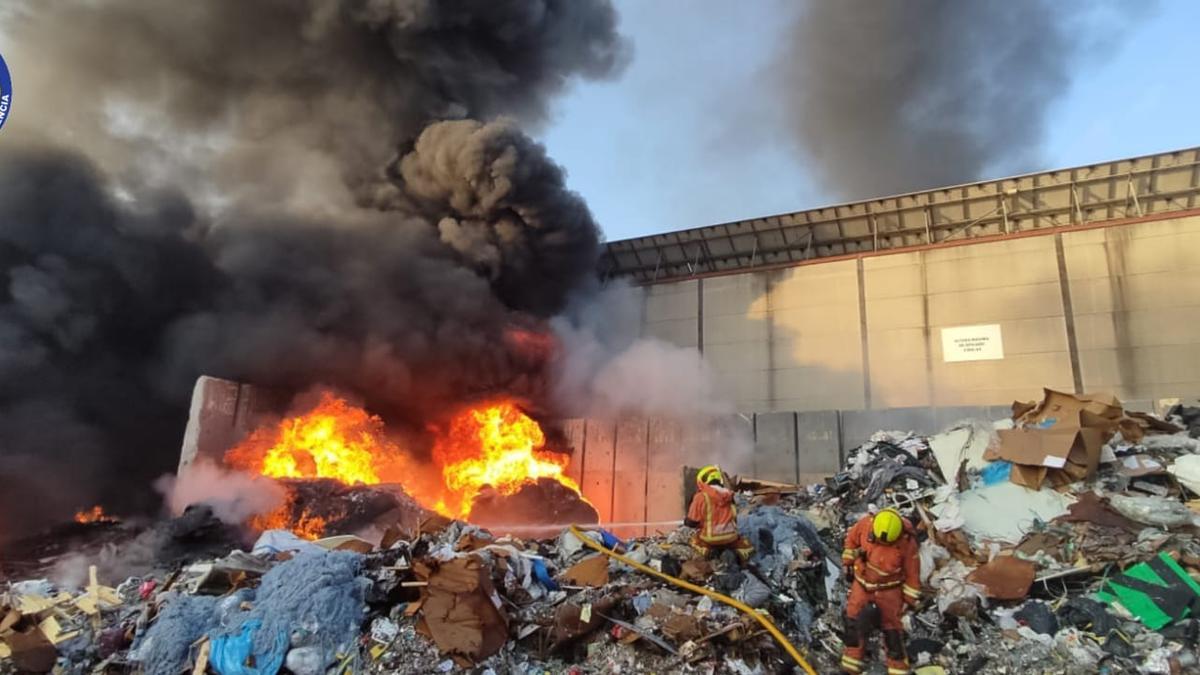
<point x="1061" y="439"/>
<point x="1057" y="407"/>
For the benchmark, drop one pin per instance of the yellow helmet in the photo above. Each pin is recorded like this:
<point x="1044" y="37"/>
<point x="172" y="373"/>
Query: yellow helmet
<point x="709" y="475"/>
<point x="887" y="526"/>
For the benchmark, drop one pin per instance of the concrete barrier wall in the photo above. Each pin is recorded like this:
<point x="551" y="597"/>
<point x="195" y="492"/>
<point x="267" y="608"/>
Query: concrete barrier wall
<point x="1113" y="308"/>
<point x="632" y="469"/>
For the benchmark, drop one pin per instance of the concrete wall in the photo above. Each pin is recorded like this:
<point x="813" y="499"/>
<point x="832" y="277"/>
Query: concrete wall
<point x="632" y="469"/>
<point x="1114" y="308"/>
<point x="222" y="413"/>
<point x="1136" y="298"/>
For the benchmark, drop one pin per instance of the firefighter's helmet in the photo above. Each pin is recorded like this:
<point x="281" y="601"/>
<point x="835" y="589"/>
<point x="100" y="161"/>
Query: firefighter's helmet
<point x="887" y="526"/>
<point x="710" y="475"/>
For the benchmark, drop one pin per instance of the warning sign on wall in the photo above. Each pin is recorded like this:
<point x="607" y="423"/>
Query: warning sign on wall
<point x="972" y="343"/>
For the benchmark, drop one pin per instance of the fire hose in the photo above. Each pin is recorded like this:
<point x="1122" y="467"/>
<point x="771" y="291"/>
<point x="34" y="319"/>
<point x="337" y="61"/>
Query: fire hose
<point x="746" y="609"/>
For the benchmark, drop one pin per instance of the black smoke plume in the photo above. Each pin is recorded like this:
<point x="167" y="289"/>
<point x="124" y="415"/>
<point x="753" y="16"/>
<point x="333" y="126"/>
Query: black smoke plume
<point x="890" y="97"/>
<point x="286" y="192"/>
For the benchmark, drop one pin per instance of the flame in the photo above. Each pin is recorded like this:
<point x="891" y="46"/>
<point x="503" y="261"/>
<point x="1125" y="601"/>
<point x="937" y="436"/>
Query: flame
<point x="334" y="440"/>
<point x="489" y="444"/>
<point x="497" y="445"/>
<point x="307" y="526"/>
<point x="94" y="515"/>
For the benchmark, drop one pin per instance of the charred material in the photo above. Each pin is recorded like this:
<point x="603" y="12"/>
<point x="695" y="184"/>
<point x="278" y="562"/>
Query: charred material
<point x="336" y="508"/>
<point x="545" y="502"/>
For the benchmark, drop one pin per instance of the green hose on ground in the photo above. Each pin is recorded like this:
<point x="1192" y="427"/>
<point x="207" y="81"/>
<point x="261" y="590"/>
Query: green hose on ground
<point x="761" y="618"/>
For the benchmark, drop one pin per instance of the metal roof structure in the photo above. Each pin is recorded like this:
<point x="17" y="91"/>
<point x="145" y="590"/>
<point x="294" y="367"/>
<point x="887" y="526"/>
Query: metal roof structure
<point x="1084" y="195"/>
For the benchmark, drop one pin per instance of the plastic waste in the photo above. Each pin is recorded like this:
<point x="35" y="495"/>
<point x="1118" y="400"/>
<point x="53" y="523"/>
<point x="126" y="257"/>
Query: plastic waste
<point x="231" y="653"/>
<point x="305" y="661"/>
<point x="752" y="591"/>
<point x="279" y="541"/>
<point x="996" y="472"/>
<point x="1158" y="661"/>
<point x="384" y="630"/>
<point x="802" y="618"/>
<point x="610" y="540"/>
<point x="1187" y="472"/>
<point x="1075" y="645"/>
<point x="568" y="544"/>
<point x="639" y="555"/>
<point x="930" y="554"/>
<point x="1038" y="616"/>
<point x="543" y="575"/>
<point x="642" y="602"/>
<point x="1157" y="511"/>
<point x="1086" y="614"/>
<point x="39" y="587"/>
<point x="953" y="590"/>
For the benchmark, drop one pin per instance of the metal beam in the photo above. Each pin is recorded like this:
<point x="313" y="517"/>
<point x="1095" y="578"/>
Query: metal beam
<point x="649" y="257"/>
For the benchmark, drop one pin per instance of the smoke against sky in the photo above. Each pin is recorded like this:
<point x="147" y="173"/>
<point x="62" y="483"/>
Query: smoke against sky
<point x="890" y="97"/>
<point x="692" y="134"/>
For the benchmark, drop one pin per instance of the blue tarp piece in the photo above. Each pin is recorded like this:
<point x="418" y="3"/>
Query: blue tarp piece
<point x="611" y="541"/>
<point x="543" y="575"/>
<point x="231" y="653"/>
<point x="996" y="472"/>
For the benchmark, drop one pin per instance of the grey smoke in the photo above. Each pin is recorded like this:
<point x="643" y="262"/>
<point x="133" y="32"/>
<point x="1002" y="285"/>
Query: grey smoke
<point x="289" y="193"/>
<point x="234" y="496"/>
<point x="890" y="97"/>
<point x="606" y="368"/>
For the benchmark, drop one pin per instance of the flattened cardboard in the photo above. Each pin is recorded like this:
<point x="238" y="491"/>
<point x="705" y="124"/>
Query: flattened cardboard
<point x="591" y="571"/>
<point x="1005" y="578"/>
<point x="461" y="610"/>
<point x="696" y="569"/>
<point x="682" y="627"/>
<point x="346" y="542"/>
<point x="31" y="652"/>
<point x="1152" y="423"/>
<point x="1057" y="406"/>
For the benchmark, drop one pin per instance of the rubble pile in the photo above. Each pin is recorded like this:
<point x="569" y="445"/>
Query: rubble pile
<point x="1062" y="539"/>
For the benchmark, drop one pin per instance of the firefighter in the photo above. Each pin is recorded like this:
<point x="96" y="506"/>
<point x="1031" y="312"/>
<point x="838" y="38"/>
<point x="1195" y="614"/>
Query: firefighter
<point x="713" y="515"/>
<point x="880" y="557"/>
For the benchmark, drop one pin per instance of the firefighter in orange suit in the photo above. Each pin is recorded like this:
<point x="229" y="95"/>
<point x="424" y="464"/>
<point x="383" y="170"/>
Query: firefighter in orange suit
<point x="713" y="515"/>
<point x="881" y="557"/>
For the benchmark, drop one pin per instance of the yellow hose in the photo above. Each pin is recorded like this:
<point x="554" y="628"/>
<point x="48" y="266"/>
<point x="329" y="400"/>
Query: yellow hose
<point x="762" y="619"/>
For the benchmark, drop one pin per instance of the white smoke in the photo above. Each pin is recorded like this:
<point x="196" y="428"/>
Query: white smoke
<point x="606" y="368"/>
<point x="234" y="496"/>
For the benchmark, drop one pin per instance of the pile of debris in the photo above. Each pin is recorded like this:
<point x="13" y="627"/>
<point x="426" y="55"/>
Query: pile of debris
<point x="1063" y="539"/>
<point x="443" y="596"/>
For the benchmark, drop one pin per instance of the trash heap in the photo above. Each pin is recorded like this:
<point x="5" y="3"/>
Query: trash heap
<point x="1061" y="540"/>
<point x="443" y="596"/>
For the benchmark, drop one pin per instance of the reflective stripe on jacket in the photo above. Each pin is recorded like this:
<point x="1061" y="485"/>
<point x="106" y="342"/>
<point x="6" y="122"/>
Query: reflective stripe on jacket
<point x="879" y="566"/>
<point x="712" y="507"/>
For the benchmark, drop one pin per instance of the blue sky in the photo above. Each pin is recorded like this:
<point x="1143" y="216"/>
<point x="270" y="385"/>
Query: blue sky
<point x="655" y="150"/>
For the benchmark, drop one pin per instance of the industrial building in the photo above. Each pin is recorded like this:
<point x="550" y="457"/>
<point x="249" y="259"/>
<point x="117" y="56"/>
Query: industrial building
<point x="911" y="312"/>
<point x="1090" y="276"/>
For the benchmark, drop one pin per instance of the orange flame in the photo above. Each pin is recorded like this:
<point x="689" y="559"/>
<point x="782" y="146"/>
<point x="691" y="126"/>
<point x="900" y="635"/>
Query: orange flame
<point x="488" y="444"/>
<point x="94" y="515"/>
<point x="496" y="445"/>
<point x="334" y="440"/>
<point x="307" y="526"/>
